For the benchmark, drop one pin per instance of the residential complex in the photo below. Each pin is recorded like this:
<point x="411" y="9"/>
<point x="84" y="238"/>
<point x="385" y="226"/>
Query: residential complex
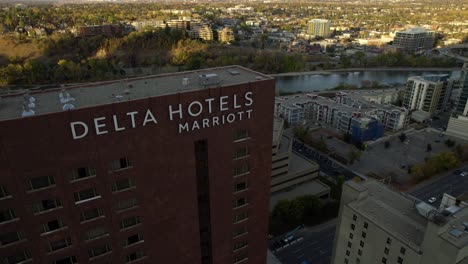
<point x="414" y="40"/>
<point x="319" y="28"/>
<point x="428" y="93"/>
<point x="347" y="112"/>
<point x="173" y="168"/>
<point x="377" y="226"/>
<point x="225" y="35"/>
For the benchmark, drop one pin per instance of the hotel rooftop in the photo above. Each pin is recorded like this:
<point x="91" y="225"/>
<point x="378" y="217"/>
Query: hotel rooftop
<point x="22" y="104"/>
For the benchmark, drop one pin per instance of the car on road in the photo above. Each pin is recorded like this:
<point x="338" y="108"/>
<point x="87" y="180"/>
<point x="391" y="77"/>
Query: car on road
<point x="463" y="174"/>
<point x="432" y="200"/>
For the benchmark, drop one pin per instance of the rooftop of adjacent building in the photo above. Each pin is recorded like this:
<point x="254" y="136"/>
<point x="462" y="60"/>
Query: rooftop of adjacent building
<point x="414" y="30"/>
<point x="457" y="228"/>
<point x="109" y="92"/>
<point x="406" y="217"/>
<point x="390" y="210"/>
<point x="433" y="78"/>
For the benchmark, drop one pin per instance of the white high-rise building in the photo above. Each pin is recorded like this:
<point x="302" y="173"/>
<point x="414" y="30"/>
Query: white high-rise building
<point x="429" y="93"/>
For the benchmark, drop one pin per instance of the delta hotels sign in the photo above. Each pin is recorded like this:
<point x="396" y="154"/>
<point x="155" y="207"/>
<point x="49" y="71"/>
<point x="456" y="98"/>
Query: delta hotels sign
<point x="241" y="104"/>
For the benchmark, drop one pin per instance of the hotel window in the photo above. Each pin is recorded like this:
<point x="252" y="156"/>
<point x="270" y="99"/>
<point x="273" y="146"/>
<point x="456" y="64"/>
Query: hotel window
<point x="353" y="226"/>
<point x="361" y="243"/>
<point x="358" y="261"/>
<point x="4" y="192"/>
<point x="86" y="195"/>
<point x="120" y="164"/>
<point x="40" y="183"/>
<point x="354" y="217"/>
<point x="95" y="233"/>
<point x="129" y="222"/>
<point x="126" y="204"/>
<point x="240" y="202"/>
<point x="122" y="185"/>
<point x="11" y="237"/>
<point x="402" y="250"/>
<point x="97" y="251"/>
<point x="240" y="186"/>
<point x="400" y="260"/>
<point x="389" y="241"/>
<point x="386" y="250"/>
<point x="241" y="257"/>
<point x="67" y="260"/>
<point x="384" y="260"/>
<point x="359" y="252"/>
<point x="364" y="234"/>
<point x="239" y="231"/>
<point x="241" y="153"/>
<point x="59" y="244"/>
<point x="7" y="215"/>
<point x="241" y="134"/>
<point x="349" y="244"/>
<point x="240" y="245"/>
<point x="366" y="225"/>
<point x="133" y="240"/>
<point x="242" y="169"/>
<point x="46" y="205"/>
<point x="346" y="261"/>
<point x="134" y="256"/>
<point x="16" y="258"/>
<point x="91" y="214"/>
<point x="52" y="226"/>
<point x="240" y="217"/>
<point x="351" y="235"/>
<point x="347" y="253"/>
<point x="82" y="173"/>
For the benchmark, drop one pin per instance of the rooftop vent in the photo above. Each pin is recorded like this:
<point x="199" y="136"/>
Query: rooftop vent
<point x="27" y="111"/>
<point x="208" y="79"/>
<point x="65" y="97"/>
<point x="68" y="106"/>
<point x="29" y="101"/>
<point x="185" y="81"/>
<point x="456" y="233"/>
<point x="233" y="72"/>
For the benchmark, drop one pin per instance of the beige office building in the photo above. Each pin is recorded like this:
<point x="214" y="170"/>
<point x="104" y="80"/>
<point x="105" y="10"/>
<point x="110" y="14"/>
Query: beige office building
<point x="319" y="28"/>
<point x="380" y="226"/>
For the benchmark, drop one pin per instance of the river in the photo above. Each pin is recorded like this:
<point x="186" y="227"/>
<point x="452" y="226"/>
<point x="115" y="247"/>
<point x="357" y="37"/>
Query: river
<point x="318" y="82"/>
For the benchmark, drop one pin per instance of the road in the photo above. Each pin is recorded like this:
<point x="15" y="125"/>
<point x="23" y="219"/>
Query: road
<point x="451" y="183"/>
<point x="315" y="247"/>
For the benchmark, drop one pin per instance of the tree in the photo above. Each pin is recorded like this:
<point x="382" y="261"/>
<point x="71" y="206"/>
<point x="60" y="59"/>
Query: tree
<point x="301" y="132"/>
<point x="354" y="155"/>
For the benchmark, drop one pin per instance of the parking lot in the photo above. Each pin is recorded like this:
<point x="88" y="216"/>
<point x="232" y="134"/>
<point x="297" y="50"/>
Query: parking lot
<point x="392" y="162"/>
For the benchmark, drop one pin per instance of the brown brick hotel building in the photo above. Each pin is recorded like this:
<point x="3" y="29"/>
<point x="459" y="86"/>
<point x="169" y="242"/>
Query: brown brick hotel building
<point x="161" y="169"/>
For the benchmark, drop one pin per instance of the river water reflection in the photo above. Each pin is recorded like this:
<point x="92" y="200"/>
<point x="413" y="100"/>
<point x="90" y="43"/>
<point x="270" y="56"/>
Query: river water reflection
<point x="316" y="82"/>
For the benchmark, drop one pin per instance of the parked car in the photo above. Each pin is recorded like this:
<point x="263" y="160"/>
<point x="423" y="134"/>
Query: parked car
<point x="432" y="200"/>
<point x="463" y="174"/>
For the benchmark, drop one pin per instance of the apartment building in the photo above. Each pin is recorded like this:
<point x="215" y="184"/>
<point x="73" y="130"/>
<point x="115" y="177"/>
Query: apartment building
<point x="381" y="226"/>
<point x="428" y="93"/>
<point x="172" y="168"/>
<point x="319" y="28"/>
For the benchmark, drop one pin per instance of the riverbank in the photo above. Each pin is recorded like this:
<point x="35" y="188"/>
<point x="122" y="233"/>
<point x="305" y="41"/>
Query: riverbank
<point x="382" y="69"/>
